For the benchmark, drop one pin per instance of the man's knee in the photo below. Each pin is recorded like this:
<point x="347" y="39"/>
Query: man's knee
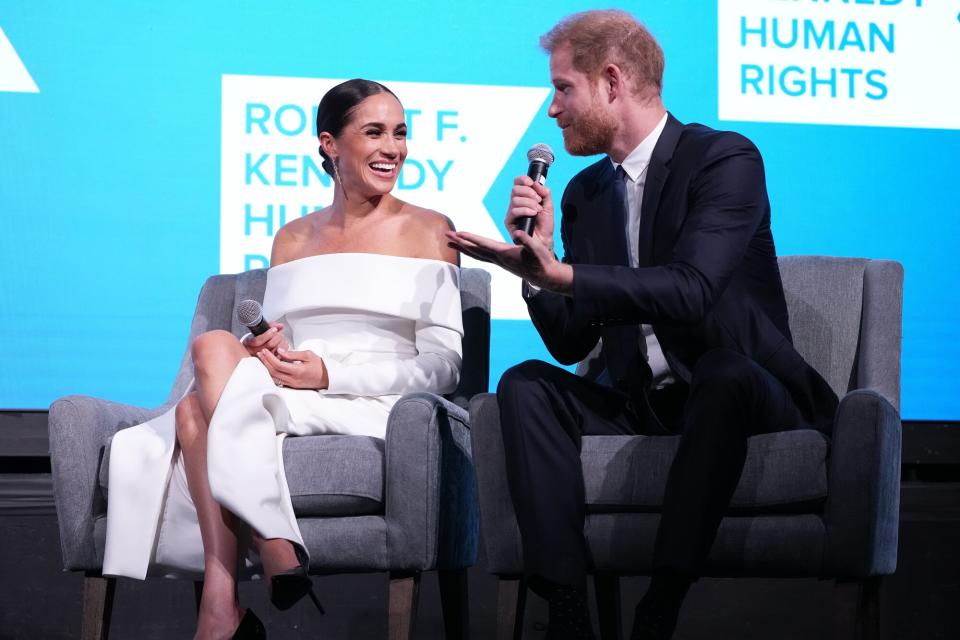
<point x="723" y="371"/>
<point x="524" y="391"/>
<point x="723" y="395"/>
<point x="523" y="376"/>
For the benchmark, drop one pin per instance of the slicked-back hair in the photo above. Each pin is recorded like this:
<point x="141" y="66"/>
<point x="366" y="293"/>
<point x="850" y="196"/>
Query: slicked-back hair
<point x="337" y="106"/>
<point x="599" y="38"/>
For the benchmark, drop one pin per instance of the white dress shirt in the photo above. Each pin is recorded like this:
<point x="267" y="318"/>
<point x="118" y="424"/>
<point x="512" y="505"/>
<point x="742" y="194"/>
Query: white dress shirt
<point x="635" y="166"/>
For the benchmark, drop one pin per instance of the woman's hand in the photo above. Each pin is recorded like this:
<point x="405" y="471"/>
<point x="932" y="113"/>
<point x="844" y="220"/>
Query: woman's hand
<point x="271" y="340"/>
<point x="295" y="369"/>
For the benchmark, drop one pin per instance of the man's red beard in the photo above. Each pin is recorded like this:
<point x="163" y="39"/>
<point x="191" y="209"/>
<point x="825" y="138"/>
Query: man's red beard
<point x="591" y="133"/>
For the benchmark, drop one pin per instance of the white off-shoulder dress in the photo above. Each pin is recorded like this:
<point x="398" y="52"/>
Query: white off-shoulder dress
<point x="384" y="326"/>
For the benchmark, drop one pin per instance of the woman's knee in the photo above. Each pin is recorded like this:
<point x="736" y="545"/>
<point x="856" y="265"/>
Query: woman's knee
<point x="213" y="345"/>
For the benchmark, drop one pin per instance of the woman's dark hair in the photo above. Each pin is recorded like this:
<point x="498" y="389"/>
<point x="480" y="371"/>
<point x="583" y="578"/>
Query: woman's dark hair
<point x="338" y="104"/>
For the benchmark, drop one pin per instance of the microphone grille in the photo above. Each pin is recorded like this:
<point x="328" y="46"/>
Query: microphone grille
<point x="541" y="152"/>
<point x="249" y="312"/>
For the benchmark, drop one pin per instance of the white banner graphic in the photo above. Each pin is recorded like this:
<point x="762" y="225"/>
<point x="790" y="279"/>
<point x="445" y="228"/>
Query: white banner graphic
<point x="460" y="137"/>
<point x="14" y="77"/>
<point x="889" y="63"/>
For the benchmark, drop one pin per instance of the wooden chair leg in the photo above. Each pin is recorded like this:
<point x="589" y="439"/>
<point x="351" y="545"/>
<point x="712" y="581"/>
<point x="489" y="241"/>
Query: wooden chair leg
<point x="454" y="603"/>
<point x="607" y="587"/>
<point x="404" y="592"/>
<point x="97" y="606"/>
<point x="511" y="599"/>
<point x="856" y="609"/>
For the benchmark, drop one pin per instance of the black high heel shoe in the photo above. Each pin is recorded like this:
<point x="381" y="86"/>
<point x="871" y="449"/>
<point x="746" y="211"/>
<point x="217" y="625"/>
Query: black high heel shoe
<point x="288" y="587"/>
<point x="250" y="628"/>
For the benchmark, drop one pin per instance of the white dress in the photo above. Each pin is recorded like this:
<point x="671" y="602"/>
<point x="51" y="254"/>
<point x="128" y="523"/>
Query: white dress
<point x="384" y="326"/>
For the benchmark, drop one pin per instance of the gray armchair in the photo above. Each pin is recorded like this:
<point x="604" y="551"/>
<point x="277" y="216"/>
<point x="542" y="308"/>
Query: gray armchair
<point x="404" y="505"/>
<point x="805" y="505"/>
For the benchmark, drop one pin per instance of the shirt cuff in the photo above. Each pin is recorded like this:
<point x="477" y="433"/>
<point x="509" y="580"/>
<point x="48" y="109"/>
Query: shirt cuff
<point x="529" y="291"/>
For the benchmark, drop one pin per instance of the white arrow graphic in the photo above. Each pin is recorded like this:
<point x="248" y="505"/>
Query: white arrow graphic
<point x="461" y="136"/>
<point x="14" y="77"/>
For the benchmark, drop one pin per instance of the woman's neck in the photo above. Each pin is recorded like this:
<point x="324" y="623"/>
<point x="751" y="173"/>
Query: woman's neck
<point x="345" y="212"/>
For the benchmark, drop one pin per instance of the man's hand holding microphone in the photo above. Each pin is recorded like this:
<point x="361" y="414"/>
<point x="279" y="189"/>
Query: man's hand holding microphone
<point x="530" y="221"/>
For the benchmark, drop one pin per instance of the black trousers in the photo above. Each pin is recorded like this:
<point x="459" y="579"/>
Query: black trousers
<point x="545" y="411"/>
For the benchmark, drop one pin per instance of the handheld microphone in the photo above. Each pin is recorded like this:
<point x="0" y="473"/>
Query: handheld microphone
<point x="250" y="314"/>
<point x="541" y="157"/>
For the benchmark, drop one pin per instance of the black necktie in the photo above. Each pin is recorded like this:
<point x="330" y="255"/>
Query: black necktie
<point x="620" y="207"/>
<point x="623" y="343"/>
<point x="620" y="188"/>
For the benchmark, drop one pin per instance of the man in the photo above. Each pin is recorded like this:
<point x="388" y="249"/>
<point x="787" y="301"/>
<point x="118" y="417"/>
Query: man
<point x="668" y="260"/>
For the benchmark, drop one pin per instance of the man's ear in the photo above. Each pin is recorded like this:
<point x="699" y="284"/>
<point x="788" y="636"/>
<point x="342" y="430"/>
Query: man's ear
<point x="613" y="81"/>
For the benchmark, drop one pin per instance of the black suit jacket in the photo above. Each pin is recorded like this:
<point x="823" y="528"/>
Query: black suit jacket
<point x="708" y="275"/>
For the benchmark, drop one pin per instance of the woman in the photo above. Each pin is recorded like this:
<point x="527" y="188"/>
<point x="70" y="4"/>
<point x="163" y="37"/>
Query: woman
<point x="366" y="292"/>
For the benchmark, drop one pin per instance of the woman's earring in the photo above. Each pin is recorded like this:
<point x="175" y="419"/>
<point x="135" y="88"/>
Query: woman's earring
<point x="336" y="176"/>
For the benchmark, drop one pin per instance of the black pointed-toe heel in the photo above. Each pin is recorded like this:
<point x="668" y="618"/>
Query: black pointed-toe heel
<point x="250" y="628"/>
<point x="288" y="587"/>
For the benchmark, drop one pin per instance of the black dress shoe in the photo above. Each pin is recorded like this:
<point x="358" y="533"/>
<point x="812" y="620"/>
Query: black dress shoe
<point x="653" y="622"/>
<point x="250" y="628"/>
<point x="569" y="615"/>
<point x="555" y="632"/>
<point x="656" y="614"/>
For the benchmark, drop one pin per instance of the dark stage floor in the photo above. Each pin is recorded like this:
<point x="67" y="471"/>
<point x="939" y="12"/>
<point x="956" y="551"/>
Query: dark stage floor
<point x="38" y="600"/>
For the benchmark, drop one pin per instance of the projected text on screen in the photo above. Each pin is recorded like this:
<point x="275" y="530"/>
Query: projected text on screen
<point x="854" y="63"/>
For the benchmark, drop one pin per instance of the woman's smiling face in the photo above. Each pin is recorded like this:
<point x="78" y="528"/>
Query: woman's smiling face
<point x="372" y="146"/>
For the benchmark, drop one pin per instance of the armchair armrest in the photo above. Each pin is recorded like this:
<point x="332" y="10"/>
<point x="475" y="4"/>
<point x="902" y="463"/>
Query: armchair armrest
<point x="501" y="534"/>
<point x="430" y="487"/>
<point x="863" y="493"/>
<point x="79" y="427"/>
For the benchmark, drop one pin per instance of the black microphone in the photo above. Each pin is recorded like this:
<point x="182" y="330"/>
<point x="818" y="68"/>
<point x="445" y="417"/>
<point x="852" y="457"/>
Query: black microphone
<point x="250" y="314"/>
<point x="540" y="157"/>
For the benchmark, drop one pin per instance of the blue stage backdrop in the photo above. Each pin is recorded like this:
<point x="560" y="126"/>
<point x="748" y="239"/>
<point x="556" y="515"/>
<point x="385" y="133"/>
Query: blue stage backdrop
<point x="146" y="146"/>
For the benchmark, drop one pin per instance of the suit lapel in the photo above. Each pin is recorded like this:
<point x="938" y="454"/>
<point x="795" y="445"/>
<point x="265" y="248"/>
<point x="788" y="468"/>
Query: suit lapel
<point x="657" y="173"/>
